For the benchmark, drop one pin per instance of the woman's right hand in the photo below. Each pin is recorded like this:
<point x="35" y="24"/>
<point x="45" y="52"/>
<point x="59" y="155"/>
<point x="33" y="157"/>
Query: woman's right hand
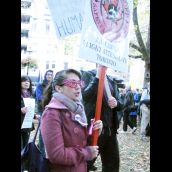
<point x="24" y="110"/>
<point x="94" y="151"/>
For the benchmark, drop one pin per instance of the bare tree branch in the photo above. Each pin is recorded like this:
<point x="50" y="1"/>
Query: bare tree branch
<point x="138" y="34"/>
<point x="136" y="57"/>
<point x="135" y="47"/>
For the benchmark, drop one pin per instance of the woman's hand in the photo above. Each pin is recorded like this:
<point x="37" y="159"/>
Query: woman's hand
<point x="24" y="110"/>
<point x="37" y="116"/>
<point x="94" y="151"/>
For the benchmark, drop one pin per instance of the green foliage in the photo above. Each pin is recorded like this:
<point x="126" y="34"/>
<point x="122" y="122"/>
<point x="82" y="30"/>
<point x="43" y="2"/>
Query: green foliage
<point x="135" y="3"/>
<point x="69" y="43"/>
<point x="68" y="49"/>
<point x="31" y="65"/>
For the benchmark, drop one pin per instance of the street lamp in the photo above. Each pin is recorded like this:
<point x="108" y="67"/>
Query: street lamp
<point x="28" y="60"/>
<point x="28" y="65"/>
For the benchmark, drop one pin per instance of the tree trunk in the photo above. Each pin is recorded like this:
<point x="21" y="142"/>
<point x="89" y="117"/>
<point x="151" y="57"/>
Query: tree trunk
<point x="144" y="50"/>
<point x="147" y="61"/>
<point x="147" y="73"/>
<point x="138" y="34"/>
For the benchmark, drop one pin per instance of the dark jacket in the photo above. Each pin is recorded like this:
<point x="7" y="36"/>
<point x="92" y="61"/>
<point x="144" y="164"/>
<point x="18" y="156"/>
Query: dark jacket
<point x="39" y="93"/>
<point x="108" y="115"/>
<point x="129" y="104"/>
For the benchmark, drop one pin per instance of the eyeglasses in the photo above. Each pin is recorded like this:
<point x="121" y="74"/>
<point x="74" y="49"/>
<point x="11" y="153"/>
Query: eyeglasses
<point x="49" y="74"/>
<point x="73" y="83"/>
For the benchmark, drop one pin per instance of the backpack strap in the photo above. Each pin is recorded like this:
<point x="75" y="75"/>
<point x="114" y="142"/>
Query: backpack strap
<point x="37" y="130"/>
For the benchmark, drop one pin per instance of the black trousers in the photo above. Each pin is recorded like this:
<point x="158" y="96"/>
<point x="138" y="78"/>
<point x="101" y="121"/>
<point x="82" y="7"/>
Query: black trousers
<point x="133" y="119"/>
<point x="24" y="138"/>
<point x="126" y="121"/>
<point x="109" y="151"/>
<point x="24" y="141"/>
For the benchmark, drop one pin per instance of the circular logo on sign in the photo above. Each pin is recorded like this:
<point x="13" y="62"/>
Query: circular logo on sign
<point x="111" y="18"/>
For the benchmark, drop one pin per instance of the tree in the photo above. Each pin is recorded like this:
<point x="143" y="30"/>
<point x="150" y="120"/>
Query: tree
<point x="142" y="43"/>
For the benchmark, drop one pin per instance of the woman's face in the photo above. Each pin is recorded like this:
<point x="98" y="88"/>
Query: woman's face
<point x="49" y="76"/>
<point x="71" y="87"/>
<point x="25" y="84"/>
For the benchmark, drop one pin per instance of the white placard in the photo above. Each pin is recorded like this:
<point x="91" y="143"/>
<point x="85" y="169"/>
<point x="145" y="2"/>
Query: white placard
<point x="105" y="33"/>
<point x="28" y="119"/>
<point x="67" y="16"/>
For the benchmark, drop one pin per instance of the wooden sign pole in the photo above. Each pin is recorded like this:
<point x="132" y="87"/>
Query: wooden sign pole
<point x="99" y="102"/>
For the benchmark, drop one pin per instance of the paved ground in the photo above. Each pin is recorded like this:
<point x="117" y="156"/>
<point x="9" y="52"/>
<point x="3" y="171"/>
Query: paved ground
<point x="134" y="153"/>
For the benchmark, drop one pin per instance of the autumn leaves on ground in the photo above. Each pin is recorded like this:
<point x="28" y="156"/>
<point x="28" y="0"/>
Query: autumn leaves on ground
<point x="134" y="153"/>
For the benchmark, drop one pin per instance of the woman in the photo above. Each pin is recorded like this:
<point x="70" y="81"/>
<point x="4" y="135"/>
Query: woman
<point x="26" y="92"/>
<point x="64" y="124"/>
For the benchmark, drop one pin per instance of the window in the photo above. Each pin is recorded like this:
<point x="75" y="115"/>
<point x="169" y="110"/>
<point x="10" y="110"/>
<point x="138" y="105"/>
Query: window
<point x="34" y="25"/>
<point x="25" y="19"/>
<point x="23" y="49"/>
<point x="47" y="27"/>
<point x="65" y="65"/>
<point x="47" y="64"/>
<point x="24" y="34"/>
<point x="25" y="4"/>
<point x="53" y="64"/>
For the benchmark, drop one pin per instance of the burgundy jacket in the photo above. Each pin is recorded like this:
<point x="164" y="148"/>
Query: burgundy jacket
<point x="65" y="140"/>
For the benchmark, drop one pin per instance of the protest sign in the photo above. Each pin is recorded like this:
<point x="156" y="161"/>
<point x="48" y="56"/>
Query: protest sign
<point x="105" y="33"/>
<point x="105" y="40"/>
<point x="67" y="16"/>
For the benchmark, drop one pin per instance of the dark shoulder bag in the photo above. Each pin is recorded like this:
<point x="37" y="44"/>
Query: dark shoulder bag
<point x="32" y="159"/>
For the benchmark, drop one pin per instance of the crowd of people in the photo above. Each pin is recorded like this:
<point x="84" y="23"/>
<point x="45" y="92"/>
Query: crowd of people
<point x="65" y="106"/>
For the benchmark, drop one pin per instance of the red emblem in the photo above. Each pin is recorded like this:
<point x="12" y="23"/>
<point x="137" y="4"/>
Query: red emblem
<point x="111" y="18"/>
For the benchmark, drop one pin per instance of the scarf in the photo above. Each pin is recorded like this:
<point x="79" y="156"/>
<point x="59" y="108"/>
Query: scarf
<point x="76" y="107"/>
<point x="25" y="93"/>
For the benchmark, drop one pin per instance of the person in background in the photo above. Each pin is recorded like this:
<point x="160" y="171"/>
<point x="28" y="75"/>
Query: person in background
<point x="145" y="111"/>
<point x="137" y="97"/>
<point x="107" y="142"/>
<point x="120" y="113"/>
<point x="39" y="95"/>
<point x="64" y="124"/>
<point x="129" y="106"/>
<point x="41" y="87"/>
<point x="26" y="92"/>
<point x="133" y="113"/>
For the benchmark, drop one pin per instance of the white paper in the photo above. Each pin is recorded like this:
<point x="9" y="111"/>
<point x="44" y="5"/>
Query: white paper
<point x="30" y="104"/>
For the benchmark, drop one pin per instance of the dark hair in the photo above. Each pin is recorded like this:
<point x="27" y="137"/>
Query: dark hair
<point x="58" y="80"/>
<point x="27" y="78"/>
<point x="51" y="71"/>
